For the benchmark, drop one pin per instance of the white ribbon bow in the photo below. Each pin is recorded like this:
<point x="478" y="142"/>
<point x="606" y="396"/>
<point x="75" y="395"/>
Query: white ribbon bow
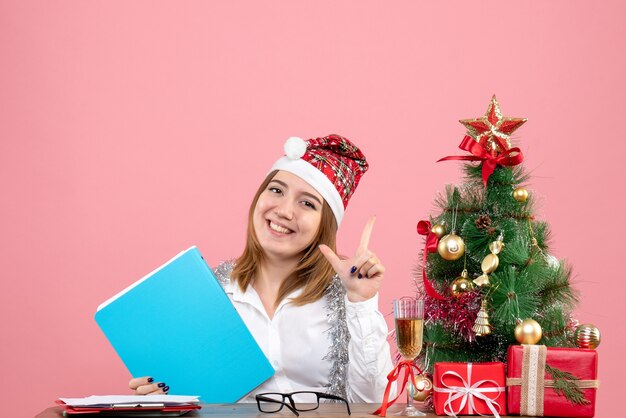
<point x="468" y="393"/>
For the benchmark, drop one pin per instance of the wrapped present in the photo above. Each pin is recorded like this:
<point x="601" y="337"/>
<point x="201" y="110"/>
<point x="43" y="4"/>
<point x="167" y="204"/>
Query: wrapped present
<point x="558" y="382"/>
<point x="469" y="389"/>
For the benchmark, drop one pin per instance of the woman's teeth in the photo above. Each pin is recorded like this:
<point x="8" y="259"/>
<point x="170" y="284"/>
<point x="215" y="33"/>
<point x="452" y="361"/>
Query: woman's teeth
<point x="279" y="228"/>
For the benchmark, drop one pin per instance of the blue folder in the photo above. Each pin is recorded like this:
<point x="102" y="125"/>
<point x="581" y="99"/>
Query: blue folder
<point x="177" y="325"/>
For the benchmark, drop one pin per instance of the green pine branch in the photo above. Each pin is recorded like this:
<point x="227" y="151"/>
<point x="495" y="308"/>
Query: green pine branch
<point x="565" y="385"/>
<point x="554" y="324"/>
<point x="514" y="297"/>
<point x="556" y="288"/>
<point x="516" y="251"/>
<point x="445" y="345"/>
<point x="542" y="234"/>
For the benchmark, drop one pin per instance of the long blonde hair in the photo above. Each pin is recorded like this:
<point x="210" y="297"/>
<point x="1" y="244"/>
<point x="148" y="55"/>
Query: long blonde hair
<point x="313" y="273"/>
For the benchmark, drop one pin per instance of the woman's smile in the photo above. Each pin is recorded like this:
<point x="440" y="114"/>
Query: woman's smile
<point x="278" y="228"/>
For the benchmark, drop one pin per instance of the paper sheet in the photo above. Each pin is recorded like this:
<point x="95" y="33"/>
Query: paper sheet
<point x="107" y="400"/>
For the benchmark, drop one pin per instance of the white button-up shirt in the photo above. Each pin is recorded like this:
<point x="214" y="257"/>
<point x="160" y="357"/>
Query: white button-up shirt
<point x="296" y="340"/>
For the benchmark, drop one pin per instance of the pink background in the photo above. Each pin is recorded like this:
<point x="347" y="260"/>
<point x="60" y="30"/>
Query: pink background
<point x="132" y="130"/>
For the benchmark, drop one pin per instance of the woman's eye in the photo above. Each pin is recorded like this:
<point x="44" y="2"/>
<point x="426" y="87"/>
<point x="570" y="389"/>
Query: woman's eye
<point x="275" y="190"/>
<point x="308" y="204"/>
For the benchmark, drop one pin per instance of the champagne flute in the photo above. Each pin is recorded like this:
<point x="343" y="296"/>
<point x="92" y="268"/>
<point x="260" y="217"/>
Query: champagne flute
<point x="409" y="317"/>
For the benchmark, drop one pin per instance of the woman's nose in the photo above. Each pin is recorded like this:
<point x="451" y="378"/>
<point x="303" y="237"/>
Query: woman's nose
<point x="285" y="209"/>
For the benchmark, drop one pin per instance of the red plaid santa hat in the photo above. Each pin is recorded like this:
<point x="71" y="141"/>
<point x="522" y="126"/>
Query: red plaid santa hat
<point x="332" y="165"/>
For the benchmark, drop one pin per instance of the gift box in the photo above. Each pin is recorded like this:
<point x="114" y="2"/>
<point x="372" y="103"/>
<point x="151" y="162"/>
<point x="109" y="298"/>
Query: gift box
<point x="531" y="386"/>
<point x="469" y="389"/>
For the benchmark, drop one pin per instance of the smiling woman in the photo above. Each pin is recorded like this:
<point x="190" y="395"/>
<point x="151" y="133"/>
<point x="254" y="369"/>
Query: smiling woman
<point x="288" y="221"/>
<point x="314" y="315"/>
<point x="287" y="216"/>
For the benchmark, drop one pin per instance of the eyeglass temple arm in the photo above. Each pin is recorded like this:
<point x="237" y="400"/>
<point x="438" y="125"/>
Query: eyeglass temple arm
<point x="292" y="409"/>
<point x="338" y="398"/>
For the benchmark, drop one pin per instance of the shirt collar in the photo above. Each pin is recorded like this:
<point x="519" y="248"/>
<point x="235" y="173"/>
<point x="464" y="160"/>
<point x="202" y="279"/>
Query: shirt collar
<point x="250" y="296"/>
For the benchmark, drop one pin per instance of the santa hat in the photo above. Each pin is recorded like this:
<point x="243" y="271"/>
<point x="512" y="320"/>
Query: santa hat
<point x="332" y="165"/>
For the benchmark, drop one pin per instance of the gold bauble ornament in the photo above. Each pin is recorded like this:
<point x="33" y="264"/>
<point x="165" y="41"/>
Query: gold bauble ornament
<point x="438" y="229"/>
<point x="490" y="263"/>
<point x="461" y="285"/>
<point x="451" y="247"/>
<point x="587" y="336"/>
<point x="528" y="331"/>
<point x="423" y="388"/>
<point x="520" y="194"/>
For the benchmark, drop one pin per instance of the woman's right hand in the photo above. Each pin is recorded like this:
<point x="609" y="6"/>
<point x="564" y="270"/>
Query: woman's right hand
<point x="147" y="386"/>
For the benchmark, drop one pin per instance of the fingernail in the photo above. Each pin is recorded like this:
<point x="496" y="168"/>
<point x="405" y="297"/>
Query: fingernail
<point x="166" y="388"/>
<point x="353" y="270"/>
<point x="161" y="385"/>
<point x="360" y="276"/>
<point x="150" y="380"/>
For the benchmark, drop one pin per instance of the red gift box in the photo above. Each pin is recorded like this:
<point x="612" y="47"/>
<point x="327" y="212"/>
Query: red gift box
<point x="469" y="389"/>
<point x="530" y="389"/>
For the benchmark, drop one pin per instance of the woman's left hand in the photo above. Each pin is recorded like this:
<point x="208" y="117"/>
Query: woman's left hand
<point x="362" y="274"/>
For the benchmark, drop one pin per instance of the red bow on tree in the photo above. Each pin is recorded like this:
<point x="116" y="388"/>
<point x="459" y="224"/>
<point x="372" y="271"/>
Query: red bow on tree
<point x="490" y="160"/>
<point x="424" y="228"/>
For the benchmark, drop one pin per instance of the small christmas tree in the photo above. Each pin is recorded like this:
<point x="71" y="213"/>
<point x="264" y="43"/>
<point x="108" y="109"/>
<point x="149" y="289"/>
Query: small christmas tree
<point x="486" y="265"/>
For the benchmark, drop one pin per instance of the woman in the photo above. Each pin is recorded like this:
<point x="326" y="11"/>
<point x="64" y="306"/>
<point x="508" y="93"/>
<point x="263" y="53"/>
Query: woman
<point x="314" y="315"/>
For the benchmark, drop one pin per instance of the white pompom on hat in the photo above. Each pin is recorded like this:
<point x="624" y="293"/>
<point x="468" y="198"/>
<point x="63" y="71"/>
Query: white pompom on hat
<point x="294" y="147"/>
<point x="332" y="165"/>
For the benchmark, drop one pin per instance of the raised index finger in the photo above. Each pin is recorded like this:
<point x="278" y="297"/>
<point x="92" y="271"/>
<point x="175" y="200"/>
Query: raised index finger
<point x="367" y="232"/>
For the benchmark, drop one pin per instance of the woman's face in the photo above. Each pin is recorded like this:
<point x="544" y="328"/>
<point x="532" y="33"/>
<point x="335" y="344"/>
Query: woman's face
<point x="287" y="216"/>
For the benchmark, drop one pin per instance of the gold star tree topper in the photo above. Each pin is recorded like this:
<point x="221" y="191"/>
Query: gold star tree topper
<point x="493" y="130"/>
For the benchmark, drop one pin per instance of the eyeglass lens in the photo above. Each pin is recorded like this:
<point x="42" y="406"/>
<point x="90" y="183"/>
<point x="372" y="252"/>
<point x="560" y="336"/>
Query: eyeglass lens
<point x="271" y="402"/>
<point x="300" y="401"/>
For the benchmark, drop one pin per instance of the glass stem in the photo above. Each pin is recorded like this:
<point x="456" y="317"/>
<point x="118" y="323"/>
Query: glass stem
<point x="409" y="398"/>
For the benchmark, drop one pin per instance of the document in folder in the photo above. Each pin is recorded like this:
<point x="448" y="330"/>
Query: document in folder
<point x="177" y="325"/>
<point x="129" y="405"/>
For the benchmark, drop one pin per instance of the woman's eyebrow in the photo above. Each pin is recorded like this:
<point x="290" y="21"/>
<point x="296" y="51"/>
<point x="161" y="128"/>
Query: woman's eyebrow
<point x="312" y="196"/>
<point x="282" y="183"/>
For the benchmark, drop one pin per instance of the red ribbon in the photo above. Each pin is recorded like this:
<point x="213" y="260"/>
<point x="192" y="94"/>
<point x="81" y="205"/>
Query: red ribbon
<point x="490" y="160"/>
<point x="423" y="228"/>
<point x="392" y="377"/>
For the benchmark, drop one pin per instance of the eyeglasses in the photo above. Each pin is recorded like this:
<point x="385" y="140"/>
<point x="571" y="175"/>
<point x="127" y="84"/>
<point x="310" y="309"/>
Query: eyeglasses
<point x="274" y="402"/>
